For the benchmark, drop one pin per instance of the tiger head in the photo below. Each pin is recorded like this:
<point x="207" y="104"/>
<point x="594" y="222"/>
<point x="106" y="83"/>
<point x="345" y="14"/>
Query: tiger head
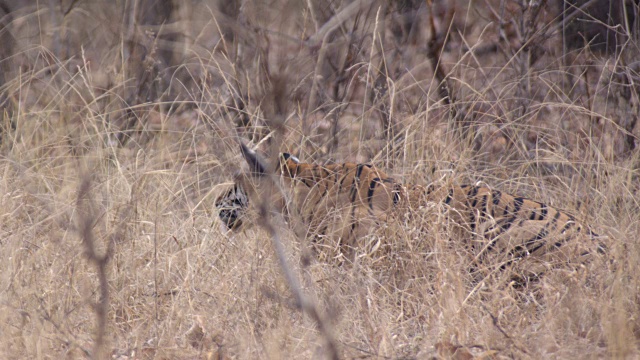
<point x="234" y="204"/>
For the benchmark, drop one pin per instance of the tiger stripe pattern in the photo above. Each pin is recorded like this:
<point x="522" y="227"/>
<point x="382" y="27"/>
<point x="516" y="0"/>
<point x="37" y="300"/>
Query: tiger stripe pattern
<point x="347" y="200"/>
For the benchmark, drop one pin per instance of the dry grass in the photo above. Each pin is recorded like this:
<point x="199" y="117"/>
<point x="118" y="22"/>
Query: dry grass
<point x="107" y="178"/>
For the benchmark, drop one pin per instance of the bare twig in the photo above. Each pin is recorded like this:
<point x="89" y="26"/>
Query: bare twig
<point x="435" y="45"/>
<point x="85" y="226"/>
<point x="494" y="319"/>
<point x="565" y="21"/>
<point x="67" y="336"/>
<point x="345" y="14"/>
<point x="314" y="82"/>
<point x="69" y="8"/>
<point x="434" y="52"/>
<point x="380" y="86"/>
<point x="305" y="303"/>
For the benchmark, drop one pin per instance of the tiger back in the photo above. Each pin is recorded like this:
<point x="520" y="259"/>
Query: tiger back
<point x="503" y="228"/>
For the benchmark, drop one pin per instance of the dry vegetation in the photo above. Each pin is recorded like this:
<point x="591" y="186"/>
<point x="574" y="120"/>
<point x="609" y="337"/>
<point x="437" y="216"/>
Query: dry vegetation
<point x="120" y="126"/>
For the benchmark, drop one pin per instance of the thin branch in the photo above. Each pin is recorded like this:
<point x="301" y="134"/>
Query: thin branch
<point x="86" y="221"/>
<point x="305" y="303"/>
<point x="345" y="14"/>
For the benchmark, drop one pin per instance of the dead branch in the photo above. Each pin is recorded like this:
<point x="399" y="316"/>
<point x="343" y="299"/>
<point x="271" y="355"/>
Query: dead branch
<point x="305" y="303"/>
<point x="86" y="221"/>
<point x="434" y="48"/>
<point x="343" y="15"/>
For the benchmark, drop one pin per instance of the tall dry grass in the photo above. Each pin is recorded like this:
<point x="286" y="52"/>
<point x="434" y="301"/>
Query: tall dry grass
<point x="118" y="133"/>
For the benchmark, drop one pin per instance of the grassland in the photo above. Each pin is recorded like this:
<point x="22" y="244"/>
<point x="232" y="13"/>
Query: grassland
<point x="117" y="135"/>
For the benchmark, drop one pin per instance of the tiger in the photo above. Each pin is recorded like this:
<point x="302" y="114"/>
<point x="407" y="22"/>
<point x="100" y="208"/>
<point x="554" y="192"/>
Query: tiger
<point x="346" y="200"/>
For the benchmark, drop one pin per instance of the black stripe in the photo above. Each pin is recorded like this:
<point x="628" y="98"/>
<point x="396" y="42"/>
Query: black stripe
<point x="497" y="195"/>
<point x="473" y="192"/>
<point x="359" y="171"/>
<point x="553" y="224"/>
<point x="344" y="177"/>
<point x="325" y="191"/>
<point x="503" y="225"/>
<point x="494" y="201"/>
<point x="543" y="212"/>
<point x="492" y="244"/>
<point x="517" y="204"/>
<point x="508" y="224"/>
<point x="397" y="190"/>
<point x="506" y="210"/>
<point x="372" y="188"/>
<point x="505" y="264"/>
<point x="483" y="206"/>
<point x="533" y="250"/>
<point x="430" y="189"/>
<point x="472" y="216"/>
<point x="447" y="200"/>
<point x="354" y="193"/>
<point x="353" y="219"/>
<point x="601" y="248"/>
<point x="534" y="211"/>
<point x="472" y="221"/>
<point x="340" y="174"/>
<point x="356" y="181"/>
<point x="565" y="240"/>
<point x="563" y="231"/>
<point x="541" y="235"/>
<point x="396" y="197"/>
<point x="517" y="253"/>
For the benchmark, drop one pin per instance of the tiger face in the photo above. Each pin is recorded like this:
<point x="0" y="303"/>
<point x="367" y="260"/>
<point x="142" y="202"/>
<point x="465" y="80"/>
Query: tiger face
<point x="234" y="204"/>
<point x="232" y="207"/>
<point x="345" y="202"/>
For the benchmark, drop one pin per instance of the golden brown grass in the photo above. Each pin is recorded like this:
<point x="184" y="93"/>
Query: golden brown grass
<point x="554" y="128"/>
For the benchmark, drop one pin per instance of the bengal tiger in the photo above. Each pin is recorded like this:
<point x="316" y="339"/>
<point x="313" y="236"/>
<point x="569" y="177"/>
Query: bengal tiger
<point x="345" y="201"/>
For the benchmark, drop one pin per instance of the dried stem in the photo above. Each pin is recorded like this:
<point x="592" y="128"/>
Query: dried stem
<point x="305" y="303"/>
<point x="86" y="221"/>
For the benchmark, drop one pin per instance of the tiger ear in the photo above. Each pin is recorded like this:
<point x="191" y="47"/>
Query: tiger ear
<point x="256" y="165"/>
<point x="287" y="156"/>
<point x="285" y="163"/>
